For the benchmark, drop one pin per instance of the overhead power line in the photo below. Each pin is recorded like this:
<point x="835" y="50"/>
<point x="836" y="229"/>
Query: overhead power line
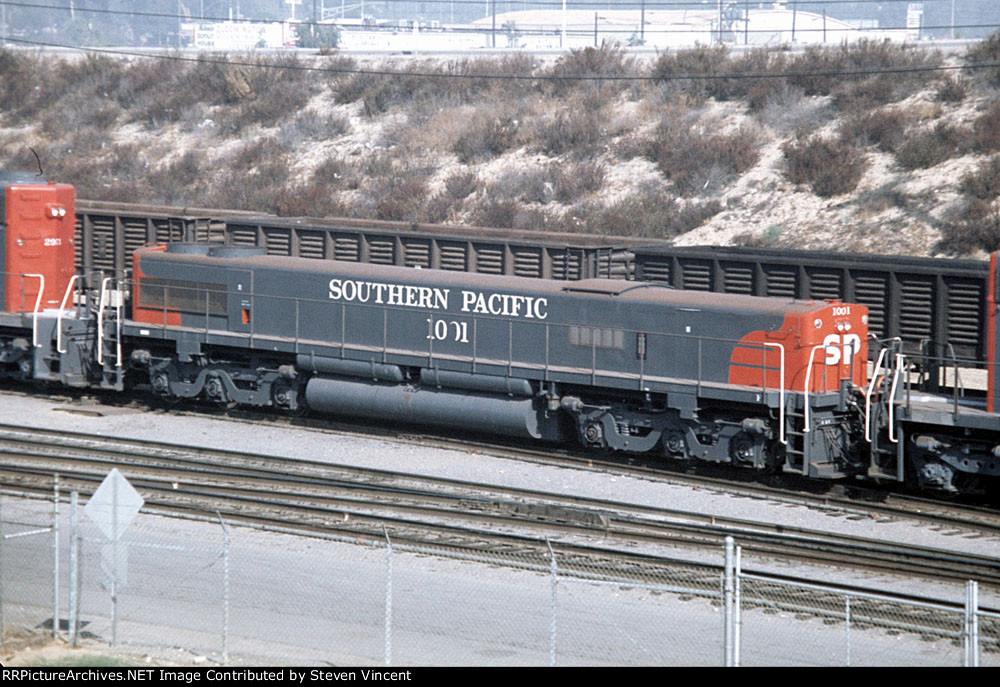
<point x="202" y="59"/>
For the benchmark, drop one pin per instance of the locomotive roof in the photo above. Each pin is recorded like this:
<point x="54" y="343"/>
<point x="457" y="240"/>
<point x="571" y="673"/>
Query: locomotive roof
<point x="631" y="291"/>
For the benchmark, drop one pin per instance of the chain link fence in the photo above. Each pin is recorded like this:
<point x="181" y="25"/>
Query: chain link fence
<point x="204" y="590"/>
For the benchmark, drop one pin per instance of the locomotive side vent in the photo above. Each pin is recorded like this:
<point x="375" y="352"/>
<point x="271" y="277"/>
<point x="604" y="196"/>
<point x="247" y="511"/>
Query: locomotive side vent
<point x="527" y="262"/>
<point x="737" y="278"/>
<point x="489" y="259"/>
<point x="825" y="284"/>
<point x="870" y="290"/>
<point x="697" y="275"/>
<point x="916" y="309"/>
<point x="781" y="281"/>
<point x="311" y="245"/>
<point x="381" y="251"/>
<point x="417" y="253"/>
<point x="278" y="241"/>
<point x="242" y="236"/>
<point x="346" y="248"/>
<point x="965" y="303"/>
<point x="453" y="257"/>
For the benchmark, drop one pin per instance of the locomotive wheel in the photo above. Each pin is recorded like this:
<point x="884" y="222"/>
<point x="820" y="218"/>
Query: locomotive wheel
<point x="282" y="395"/>
<point x="741" y="449"/>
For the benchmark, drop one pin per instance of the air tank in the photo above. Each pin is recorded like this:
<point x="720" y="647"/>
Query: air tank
<point x="517" y="417"/>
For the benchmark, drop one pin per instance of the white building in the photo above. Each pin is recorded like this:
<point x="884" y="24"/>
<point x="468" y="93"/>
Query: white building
<point x="238" y="36"/>
<point x="776" y="25"/>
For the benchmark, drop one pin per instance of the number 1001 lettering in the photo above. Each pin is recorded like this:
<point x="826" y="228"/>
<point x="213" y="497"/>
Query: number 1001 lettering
<point x="439" y="330"/>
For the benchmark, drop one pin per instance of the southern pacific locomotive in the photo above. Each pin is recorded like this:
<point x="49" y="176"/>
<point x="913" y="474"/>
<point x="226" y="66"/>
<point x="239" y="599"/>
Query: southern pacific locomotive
<point x="763" y="383"/>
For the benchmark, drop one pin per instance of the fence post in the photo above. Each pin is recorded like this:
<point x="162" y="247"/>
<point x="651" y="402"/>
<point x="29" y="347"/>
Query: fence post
<point x="847" y="617"/>
<point x="114" y="563"/>
<point x="55" y="557"/>
<point x="738" y="613"/>
<point x="1" y="571"/>
<point x="388" y="598"/>
<point x="225" y="591"/>
<point x="74" y="566"/>
<point x="727" y="613"/>
<point x="971" y="624"/>
<point x="553" y="606"/>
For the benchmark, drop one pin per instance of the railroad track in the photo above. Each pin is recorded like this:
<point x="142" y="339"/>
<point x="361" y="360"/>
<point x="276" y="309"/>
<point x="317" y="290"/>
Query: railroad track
<point x="850" y="500"/>
<point x="360" y="502"/>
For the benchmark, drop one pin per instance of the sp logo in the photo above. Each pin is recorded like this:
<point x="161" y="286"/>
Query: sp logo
<point x="840" y="348"/>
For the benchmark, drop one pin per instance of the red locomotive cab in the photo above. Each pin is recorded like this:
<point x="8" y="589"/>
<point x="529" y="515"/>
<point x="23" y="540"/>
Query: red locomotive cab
<point x="38" y="245"/>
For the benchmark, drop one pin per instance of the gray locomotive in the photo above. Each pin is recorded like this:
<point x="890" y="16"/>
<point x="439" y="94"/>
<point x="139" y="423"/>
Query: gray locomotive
<point x="767" y="383"/>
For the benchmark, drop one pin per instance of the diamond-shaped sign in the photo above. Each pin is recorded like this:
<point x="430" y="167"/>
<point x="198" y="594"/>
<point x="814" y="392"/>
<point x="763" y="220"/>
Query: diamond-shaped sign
<point x="114" y="505"/>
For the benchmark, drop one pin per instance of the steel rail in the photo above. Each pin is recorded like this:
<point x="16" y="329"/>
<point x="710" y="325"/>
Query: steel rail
<point x="360" y="495"/>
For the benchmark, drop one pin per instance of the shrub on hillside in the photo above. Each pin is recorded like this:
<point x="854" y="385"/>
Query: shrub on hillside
<point x="982" y="60"/>
<point x="649" y="214"/>
<point x="523" y="184"/>
<point x="571" y="130"/>
<point x="571" y="182"/>
<point x="976" y="226"/>
<point x="692" y="70"/>
<point x="593" y="69"/>
<point x="882" y="128"/>
<point x="495" y="212"/>
<point x="857" y="97"/>
<point x="933" y="146"/>
<point x="828" y="167"/>
<point x="173" y="184"/>
<point x="820" y="70"/>
<point x="487" y="134"/>
<point x="460" y="185"/>
<point x="696" y="160"/>
<point x="951" y="89"/>
<point x="986" y="129"/>
<point x="984" y="181"/>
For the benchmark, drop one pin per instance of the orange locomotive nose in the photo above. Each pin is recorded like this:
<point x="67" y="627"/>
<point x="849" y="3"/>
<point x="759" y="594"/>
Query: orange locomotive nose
<point x="817" y="345"/>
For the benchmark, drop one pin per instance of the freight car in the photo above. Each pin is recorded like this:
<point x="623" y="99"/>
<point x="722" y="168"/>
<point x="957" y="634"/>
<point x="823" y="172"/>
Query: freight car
<point x="934" y="306"/>
<point x="767" y="383"/>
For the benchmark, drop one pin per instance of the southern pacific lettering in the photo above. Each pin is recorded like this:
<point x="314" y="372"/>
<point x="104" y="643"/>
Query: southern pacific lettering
<point x="431" y="298"/>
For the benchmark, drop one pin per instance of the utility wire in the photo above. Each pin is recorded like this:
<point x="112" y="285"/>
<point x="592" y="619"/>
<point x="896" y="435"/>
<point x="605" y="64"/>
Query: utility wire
<point x="202" y="59"/>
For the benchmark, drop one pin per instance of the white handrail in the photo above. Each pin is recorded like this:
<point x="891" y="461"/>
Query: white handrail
<point x="868" y="394"/>
<point x="100" y="322"/>
<point x="62" y="309"/>
<point x="809" y="367"/>
<point x="38" y="303"/>
<point x="781" y="390"/>
<point x="892" y="395"/>
<point x="118" y="328"/>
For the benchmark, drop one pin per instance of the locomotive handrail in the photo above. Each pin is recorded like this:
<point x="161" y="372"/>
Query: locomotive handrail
<point x="118" y="327"/>
<point x="38" y="303"/>
<point x="62" y="309"/>
<point x="805" y="393"/>
<point x="892" y="395"/>
<point x="100" y="321"/>
<point x="868" y="393"/>
<point x="781" y="389"/>
<point x="805" y="399"/>
<point x="118" y="324"/>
